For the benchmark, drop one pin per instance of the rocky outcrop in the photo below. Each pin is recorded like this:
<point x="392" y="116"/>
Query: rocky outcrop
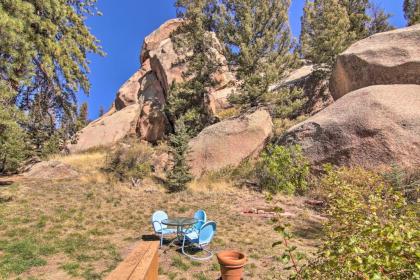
<point x="165" y="62"/>
<point x="218" y="100"/>
<point x="152" y="123"/>
<point x="229" y="142"/>
<point x="369" y="127"/>
<point x="51" y="170"/>
<point x="152" y="41"/>
<point x="168" y="63"/>
<point x="385" y="58"/>
<point x="128" y="94"/>
<point x="108" y="130"/>
<point x="139" y="105"/>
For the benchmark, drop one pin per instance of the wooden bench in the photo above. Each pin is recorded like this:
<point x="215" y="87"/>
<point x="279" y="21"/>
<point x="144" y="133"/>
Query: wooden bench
<point x="141" y="264"/>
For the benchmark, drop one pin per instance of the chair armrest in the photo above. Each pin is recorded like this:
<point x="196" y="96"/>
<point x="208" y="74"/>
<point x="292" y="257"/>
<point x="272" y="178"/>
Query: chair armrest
<point x="160" y="225"/>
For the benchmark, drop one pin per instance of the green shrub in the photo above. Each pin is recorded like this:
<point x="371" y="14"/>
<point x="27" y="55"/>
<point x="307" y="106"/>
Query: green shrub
<point x="13" y="147"/>
<point x="283" y="169"/>
<point x="371" y="233"/>
<point x="130" y="162"/>
<point x="286" y="102"/>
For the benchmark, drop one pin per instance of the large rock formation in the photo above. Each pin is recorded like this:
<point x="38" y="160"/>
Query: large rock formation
<point x="128" y="94"/>
<point x="152" y="123"/>
<point x="385" y="58"/>
<point x="369" y="127"/>
<point x="229" y="142"/>
<point x="168" y="62"/>
<point x="153" y="40"/>
<point x="146" y="91"/>
<point x="165" y="63"/>
<point x="108" y="130"/>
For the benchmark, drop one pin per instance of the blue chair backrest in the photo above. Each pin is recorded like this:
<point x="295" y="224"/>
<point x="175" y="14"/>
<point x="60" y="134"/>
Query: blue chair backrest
<point x="207" y="232"/>
<point x="201" y="216"/>
<point x="157" y="218"/>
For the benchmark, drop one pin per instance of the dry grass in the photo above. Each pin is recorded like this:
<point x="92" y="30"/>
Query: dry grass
<point x="80" y="229"/>
<point x="89" y="165"/>
<point x="228" y="113"/>
<point x="282" y="125"/>
<point x="85" y="162"/>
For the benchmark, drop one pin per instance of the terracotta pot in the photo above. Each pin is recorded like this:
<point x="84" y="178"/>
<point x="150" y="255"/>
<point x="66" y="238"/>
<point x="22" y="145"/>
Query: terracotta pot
<point x="231" y="264"/>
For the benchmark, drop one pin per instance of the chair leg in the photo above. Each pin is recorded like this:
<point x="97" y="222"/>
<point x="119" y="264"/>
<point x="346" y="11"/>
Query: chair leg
<point x="161" y="240"/>
<point x="209" y="253"/>
<point x="183" y="246"/>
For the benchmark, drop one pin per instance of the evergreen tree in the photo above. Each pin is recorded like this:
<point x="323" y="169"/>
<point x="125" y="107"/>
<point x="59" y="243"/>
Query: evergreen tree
<point x="82" y="119"/>
<point x="187" y="100"/>
<point x="327" y="31"/>
<point x="412" y="11"/>
<point x="101" y="111"/>
<point x="258" y="43"/>
<point x="43" y="55"/>
<point x="379" y="20"/>
<point x="13" y="146"/>
<point x="256" y="40"/>
<point x="40" y="126"/>
<point x="306" y="33"/>
<point x="179" y="175"/>
<point x="357" y="11"/>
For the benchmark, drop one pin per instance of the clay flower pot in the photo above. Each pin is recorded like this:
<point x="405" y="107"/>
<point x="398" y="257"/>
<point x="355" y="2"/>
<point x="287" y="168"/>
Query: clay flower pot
<point x="231" y="264"/>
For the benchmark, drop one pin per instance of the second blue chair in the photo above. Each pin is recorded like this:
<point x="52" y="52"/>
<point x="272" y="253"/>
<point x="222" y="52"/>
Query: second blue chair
<point x="201" y="218"/>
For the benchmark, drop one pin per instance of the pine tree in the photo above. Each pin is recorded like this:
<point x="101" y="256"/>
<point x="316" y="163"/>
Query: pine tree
<point x="258" y="43"/>
<point x="43" y="54"/>
<point x="82" y="118"/>
<point x="13" y="146"/>
<point x="327" y="31"/>
<point x="379" y="20"/>
<point x="179" y="175"/>
<point x="187" y="100"/>
<point x="357" y="11"/>
<point x="306" y="34"/>
<point x="412" y="11"/>
<point x="256" y="40"/>
<point x="101" y="111"/>
<point x="40" y="125"/>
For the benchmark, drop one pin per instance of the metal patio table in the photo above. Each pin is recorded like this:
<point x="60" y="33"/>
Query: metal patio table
<point x="180" y="223"/>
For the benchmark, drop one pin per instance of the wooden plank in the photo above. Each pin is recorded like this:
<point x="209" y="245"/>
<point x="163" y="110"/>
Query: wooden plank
<point x="148" y="267"/>
<point x="126" y="268"/>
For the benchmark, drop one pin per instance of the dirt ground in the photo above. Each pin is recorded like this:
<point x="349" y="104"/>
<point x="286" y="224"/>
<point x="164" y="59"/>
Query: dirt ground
<point x="83" y="227"/>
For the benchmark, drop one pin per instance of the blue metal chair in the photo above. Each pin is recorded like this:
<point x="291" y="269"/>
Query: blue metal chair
<point x="201" y="217"/>
<point x="159" y="228"/>
<point x="202" y="238"/>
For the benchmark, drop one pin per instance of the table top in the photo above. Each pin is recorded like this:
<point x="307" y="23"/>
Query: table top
<point x="179" y="221"/>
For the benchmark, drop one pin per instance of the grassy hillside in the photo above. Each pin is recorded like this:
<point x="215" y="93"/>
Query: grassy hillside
<point x="81" y="228"/>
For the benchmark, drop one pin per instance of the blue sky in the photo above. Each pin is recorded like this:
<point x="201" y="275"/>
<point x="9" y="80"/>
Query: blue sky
<point x="125" y="23"/>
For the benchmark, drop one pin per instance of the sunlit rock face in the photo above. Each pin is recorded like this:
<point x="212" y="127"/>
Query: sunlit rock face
<point x="229" y="142"/>
<point x="385" y="58"/>
<point x="147" y="89"/>
<point x="370" y="127"/>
